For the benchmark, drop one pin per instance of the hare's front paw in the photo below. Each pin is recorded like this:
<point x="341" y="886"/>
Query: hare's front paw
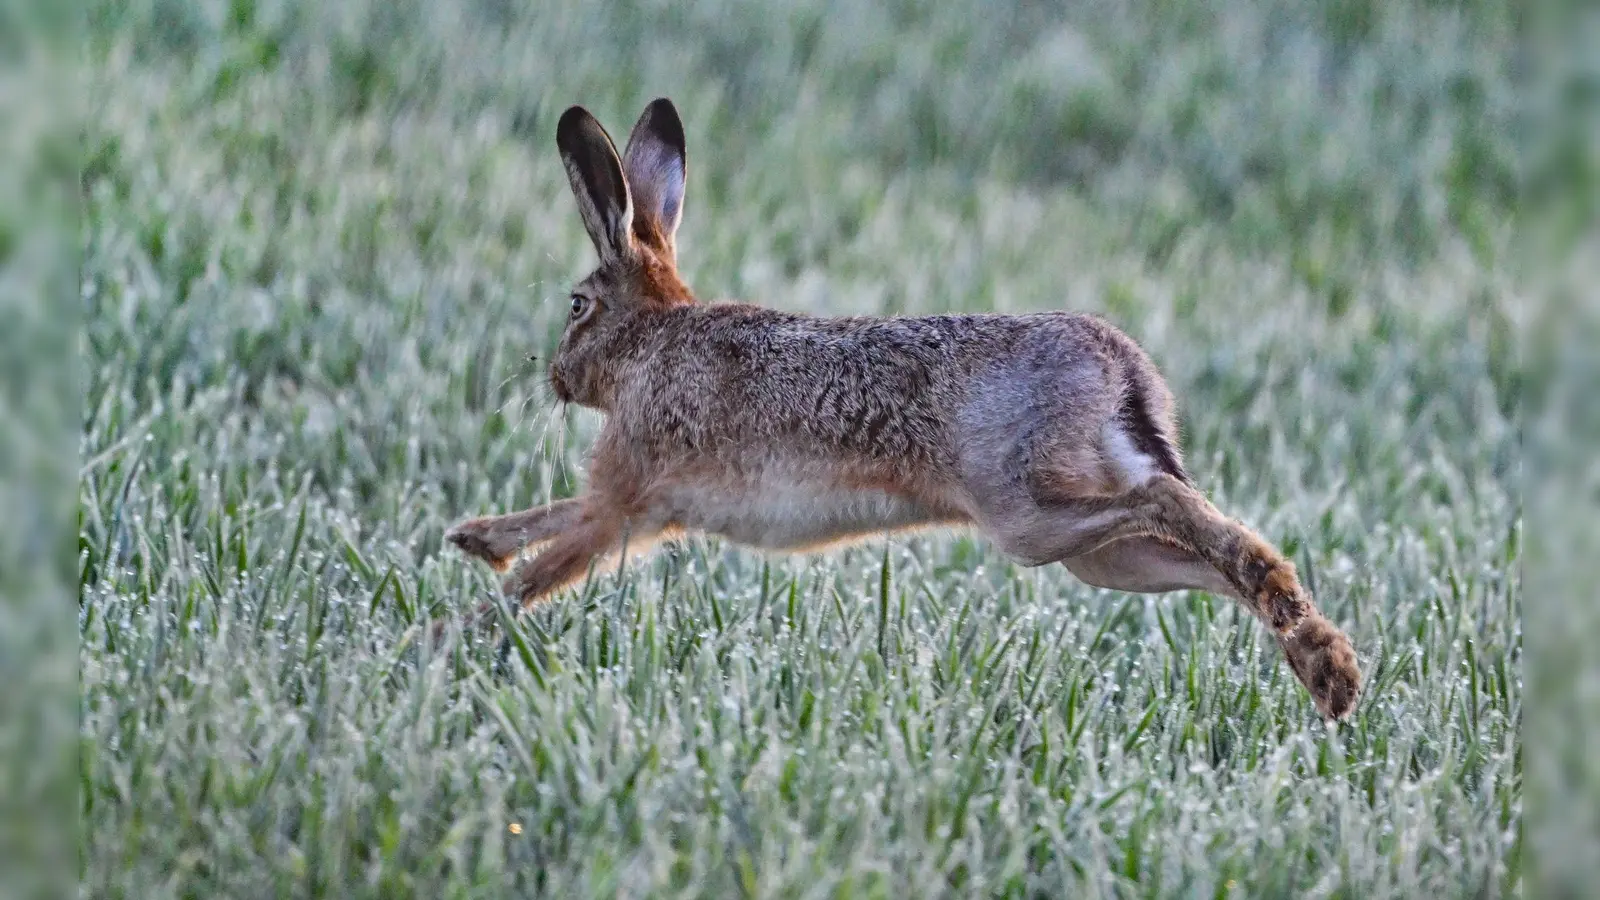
<point x="481" y="538"/>
<point x="1271" y="582"/>
<point x="1322" y="657"/>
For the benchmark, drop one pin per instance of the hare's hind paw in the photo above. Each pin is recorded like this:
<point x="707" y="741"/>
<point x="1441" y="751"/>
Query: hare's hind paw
<point x="478" y="537"/>
<point x="1325" y="663"/>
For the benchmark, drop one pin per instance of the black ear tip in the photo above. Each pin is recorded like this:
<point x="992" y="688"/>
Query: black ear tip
<point x="665" y="122"/>
<point x="571" y="121"/>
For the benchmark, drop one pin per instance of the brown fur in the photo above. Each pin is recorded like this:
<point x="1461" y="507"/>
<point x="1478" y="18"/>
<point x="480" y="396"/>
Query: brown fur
<point x="1054" y="434"/>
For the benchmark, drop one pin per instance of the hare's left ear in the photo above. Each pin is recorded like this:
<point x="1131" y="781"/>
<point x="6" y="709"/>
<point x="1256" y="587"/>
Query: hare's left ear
<point x="597" y="183"/>
<point x="657" y="167"/>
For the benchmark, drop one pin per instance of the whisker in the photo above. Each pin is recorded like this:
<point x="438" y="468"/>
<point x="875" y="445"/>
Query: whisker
<point x="508" y="379"/>
<point x="555" y="413"/>
<point x="512" y="398"/>
<point x="542" y="394"/>
<point x="561" y="442"/>
<point x="522" y="410"/>
<point x="521" y="370"/>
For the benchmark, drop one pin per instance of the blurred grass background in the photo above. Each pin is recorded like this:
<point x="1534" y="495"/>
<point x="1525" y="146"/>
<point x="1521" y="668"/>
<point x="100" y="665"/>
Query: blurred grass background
<point x="40" y="425"/>
<point x="319" y="241"/>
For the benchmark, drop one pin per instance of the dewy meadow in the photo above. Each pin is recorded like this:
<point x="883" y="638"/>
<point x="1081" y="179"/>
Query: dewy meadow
<point x="320" y="242"/>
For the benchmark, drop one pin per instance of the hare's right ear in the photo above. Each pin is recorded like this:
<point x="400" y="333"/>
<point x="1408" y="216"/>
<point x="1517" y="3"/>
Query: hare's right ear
<point x="597" y="182"/>
<point x="656" y="164"/>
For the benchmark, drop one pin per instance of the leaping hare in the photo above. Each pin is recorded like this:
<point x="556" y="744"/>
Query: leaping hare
<point x="1052" y="433"/>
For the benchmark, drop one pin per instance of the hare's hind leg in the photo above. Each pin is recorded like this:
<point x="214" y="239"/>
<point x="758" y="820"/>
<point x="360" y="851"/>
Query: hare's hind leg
<point x="1060" y="524"/>
<point x="497" y="540"/>
<point x="1259" y="574"/>
<point x="1147" y="565"/>
<point x="1318" y="652"/>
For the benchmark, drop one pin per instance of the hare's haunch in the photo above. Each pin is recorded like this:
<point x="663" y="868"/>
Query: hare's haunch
<point x="1053" y="434"/>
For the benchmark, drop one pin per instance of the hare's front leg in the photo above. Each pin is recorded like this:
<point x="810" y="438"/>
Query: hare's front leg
<point x="497" y="540"/>
<point x="567" y="559"/>
<point x="575" y="537"/>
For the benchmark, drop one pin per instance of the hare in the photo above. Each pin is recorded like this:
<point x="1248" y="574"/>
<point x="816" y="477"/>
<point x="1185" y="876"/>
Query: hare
<point x="1053" y="434"/>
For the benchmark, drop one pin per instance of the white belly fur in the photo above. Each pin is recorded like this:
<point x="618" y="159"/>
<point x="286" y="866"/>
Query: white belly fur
<point x="788" y="514"/>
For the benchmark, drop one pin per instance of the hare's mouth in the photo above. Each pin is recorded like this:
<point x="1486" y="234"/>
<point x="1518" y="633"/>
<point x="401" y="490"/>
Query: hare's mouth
<point x="559" y="386"/>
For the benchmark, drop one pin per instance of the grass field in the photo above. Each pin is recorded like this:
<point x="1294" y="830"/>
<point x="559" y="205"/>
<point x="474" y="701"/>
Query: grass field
<point x="321" y="240"/>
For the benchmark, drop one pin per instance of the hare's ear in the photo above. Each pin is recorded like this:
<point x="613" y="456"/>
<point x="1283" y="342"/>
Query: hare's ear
<point x="657" y="168"/>
<point x="597" y="182"/>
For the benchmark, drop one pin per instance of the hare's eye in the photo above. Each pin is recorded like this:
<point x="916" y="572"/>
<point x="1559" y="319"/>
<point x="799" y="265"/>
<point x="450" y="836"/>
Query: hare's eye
<point x="579" y="304"/>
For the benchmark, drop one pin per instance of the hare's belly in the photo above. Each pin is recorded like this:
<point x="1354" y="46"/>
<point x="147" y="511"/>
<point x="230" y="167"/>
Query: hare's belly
<point x="785" y="514"/>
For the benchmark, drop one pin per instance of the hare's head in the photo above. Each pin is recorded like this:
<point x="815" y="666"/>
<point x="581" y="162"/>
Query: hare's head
<point x="631" y="206"/>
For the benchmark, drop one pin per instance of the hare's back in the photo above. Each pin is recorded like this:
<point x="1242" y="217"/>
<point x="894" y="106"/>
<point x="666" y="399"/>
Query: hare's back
<point x="881" y="387"/>
<point x="894" y="388"/>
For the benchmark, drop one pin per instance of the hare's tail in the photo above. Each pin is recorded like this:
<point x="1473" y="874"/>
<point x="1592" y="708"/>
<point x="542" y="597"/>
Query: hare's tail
<point x="1144" y="411"/>
<point x="1151" y="433"/>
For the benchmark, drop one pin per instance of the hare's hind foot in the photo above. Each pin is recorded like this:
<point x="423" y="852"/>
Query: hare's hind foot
<point x="1325" y="663"/>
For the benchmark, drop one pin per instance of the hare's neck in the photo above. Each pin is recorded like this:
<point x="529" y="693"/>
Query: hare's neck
<point x="628" y="350"/>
